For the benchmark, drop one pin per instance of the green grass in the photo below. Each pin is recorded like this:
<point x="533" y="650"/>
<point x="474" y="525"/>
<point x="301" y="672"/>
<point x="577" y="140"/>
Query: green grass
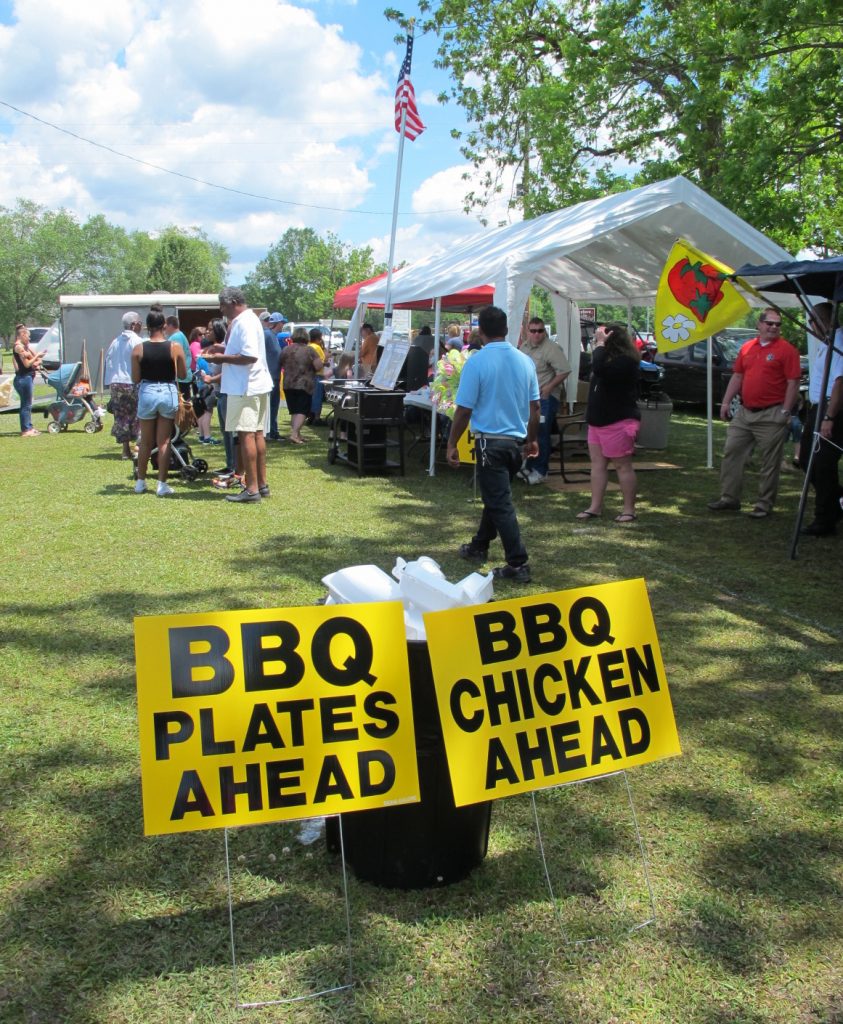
<point x="743" y="832"/>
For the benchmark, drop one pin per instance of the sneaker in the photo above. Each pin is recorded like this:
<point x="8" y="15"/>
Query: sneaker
<point x="723" y="505"/>
<point x="473" y="554"/>
<point x="535" y="477"/>
<point x="163" y="489"/>
<point x="244" y="495"/>
<point x="140" y="486"/>
<point x="524" y="474"/>
<point x="264" y="491"/>
<point x="513" y="573"/>
<point x="228" y="481"/>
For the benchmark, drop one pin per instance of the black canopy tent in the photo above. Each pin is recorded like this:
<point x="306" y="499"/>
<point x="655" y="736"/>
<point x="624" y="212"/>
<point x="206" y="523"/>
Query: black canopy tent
<point x="807" y="279"/>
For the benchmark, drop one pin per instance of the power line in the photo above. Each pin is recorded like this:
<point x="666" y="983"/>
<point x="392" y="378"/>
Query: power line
<point x="212" y="184"/>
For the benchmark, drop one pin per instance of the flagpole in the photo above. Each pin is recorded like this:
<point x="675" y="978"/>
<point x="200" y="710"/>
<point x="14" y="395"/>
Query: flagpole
<point x="387" y="304"/>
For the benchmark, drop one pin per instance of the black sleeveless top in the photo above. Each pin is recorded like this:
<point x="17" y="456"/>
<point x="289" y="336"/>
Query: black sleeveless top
<point x="157" y="365"/>
<point x="20" y="369"/>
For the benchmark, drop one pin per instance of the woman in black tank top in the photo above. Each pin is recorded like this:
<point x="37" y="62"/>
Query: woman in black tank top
<point x="26" y="363"/>
<point x="156" y="364"/>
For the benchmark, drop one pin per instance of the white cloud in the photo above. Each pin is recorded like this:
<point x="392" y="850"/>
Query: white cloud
<point x="438" y="202"/>
<point x="192" y="88"/>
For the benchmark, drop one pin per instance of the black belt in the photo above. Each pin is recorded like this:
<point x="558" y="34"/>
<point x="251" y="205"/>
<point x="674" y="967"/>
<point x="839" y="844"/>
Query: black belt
<point x="761" y="408"/>
<point x="501" y="437"/>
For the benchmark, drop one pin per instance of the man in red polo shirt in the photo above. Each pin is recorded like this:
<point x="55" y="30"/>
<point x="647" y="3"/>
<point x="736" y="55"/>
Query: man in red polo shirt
<point x="766" y="376"/>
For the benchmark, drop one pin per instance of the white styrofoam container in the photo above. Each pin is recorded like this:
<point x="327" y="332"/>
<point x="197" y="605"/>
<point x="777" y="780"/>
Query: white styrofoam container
<point x="361" y="584"/>
<point x="421" y="583"/>
<point x="478" y="589"/>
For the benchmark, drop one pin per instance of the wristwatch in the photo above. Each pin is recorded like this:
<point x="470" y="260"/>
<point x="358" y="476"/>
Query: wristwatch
<point x="827" y="418"/>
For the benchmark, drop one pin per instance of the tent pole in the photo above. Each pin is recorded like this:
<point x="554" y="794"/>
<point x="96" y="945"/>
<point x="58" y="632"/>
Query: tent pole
<point x="362" y="307"/>
<point x="709" y="396"/>
<point x="821" y="407"/>
<point x="437" y="322"/>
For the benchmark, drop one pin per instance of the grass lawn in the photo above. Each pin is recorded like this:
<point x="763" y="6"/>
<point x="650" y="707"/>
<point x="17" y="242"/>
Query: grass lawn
<point x="743" y="832"/>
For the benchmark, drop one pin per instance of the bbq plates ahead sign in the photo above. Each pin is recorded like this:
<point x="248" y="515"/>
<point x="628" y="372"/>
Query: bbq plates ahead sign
<point x="257" y="716"/>
<point x="549" y="689"/>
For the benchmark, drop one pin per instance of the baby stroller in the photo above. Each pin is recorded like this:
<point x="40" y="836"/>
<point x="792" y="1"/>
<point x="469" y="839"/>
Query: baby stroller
<point x="74" y="401"/>
<point x="181" y="456"/>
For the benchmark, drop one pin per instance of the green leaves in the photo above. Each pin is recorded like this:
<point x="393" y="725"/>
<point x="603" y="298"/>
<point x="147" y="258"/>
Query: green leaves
<point x="185" y="263"/>
<point x="301" y="272"/>
<point x="743" y="100"/>
<point x="44" y="253"/>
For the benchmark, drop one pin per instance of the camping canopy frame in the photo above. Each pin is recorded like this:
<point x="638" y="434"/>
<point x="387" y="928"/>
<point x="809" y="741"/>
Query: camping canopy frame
<point x="806" y="279"/>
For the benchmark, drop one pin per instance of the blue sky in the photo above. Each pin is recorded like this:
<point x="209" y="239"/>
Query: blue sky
<point x="292" y="102"/>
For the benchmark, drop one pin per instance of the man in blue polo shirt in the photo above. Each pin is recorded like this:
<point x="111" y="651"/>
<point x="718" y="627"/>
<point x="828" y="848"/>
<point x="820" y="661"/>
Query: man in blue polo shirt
<point x="273" y="346"/>
<point x="498" y="394"/>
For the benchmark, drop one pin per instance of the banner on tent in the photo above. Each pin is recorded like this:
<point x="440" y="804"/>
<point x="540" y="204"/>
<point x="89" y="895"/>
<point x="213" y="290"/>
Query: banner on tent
<point x="248" y="717"/>
<point x="694" y="300"/>
<point x="549" y="689"/>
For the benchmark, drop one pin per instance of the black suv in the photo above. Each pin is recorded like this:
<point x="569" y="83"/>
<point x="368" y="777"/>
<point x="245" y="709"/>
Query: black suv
<point x="685" y="368"/>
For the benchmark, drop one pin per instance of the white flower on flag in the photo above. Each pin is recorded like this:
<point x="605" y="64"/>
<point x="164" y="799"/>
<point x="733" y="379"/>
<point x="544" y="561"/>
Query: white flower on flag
<point x="677" y="328"/>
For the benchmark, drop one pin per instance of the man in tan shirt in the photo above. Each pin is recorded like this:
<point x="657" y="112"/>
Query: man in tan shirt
<point x="552" y="369"/>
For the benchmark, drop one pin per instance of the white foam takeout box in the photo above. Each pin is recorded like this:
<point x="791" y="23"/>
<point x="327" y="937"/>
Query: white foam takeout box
<point x="420" y="585"/>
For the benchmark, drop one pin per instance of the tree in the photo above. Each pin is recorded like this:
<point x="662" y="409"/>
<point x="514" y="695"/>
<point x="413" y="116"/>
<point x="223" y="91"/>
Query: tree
<point x="584" y="97"/>
<point x="44" y="252"/>
<point x="301" y="272"/>
<point x="128" y="270"/>
<point x="184" y="263"/>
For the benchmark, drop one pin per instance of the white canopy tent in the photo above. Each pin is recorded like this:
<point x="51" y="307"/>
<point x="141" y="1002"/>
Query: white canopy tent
<point x="608" y="250"/>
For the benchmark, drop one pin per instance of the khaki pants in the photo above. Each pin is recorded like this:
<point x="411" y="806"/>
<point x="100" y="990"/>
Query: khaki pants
<point x="765" y="430"/>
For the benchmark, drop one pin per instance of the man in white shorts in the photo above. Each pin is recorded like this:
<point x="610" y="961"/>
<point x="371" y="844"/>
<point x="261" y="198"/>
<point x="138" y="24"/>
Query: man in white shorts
<point x="247" y="383"/>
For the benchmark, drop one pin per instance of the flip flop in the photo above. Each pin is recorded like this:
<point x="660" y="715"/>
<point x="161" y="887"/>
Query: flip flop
<point x="297" y="440"/>
<point x="626" y="517"/>
<point x="588" y="514"/>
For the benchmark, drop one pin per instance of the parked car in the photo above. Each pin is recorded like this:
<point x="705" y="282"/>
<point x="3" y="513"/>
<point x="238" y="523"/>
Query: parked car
<point x="48" y="341"/>
<point x="333" y="340"/>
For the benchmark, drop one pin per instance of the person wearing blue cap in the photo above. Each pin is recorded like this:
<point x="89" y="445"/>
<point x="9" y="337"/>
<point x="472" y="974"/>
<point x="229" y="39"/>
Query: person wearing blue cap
<point x="271" y="324"/>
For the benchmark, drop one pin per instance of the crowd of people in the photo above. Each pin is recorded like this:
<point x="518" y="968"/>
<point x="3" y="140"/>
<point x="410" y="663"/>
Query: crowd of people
<point x="234" y="365"/>
<point x="508" y="394"/>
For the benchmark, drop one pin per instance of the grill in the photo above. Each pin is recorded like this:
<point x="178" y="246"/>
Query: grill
<point x="367" y="427"/>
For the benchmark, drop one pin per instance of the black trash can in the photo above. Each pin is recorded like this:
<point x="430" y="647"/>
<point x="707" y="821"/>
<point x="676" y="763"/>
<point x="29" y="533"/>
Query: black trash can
<point x="413" y="846"/>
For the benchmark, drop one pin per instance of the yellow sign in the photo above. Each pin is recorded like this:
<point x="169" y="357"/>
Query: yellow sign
<point x="694" y="300"/>
<point x="465" y="448"/>
<point x="255" y="716"/>
<point x="549" y="689"/>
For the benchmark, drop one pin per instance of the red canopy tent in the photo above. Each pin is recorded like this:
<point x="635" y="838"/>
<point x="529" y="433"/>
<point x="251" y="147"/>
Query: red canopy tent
<point x="472" y="298"/>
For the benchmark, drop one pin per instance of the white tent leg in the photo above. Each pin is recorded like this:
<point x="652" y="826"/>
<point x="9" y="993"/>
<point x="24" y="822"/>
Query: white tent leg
<point x="709" y="395"/>
<point x="567" y="315"/>
<point x="437" y="323"/>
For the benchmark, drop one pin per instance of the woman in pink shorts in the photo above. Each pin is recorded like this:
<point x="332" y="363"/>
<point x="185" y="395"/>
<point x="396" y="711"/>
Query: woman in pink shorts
<point x="613" y="418"/>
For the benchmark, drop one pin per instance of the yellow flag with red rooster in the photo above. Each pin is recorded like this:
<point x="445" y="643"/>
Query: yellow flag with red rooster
<point x="694" y="299"/>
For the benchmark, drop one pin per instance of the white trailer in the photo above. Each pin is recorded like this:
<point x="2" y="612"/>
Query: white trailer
<point x="96" y="320"/>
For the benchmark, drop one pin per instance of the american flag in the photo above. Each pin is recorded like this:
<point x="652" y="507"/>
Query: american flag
<point x="405" y="98"/>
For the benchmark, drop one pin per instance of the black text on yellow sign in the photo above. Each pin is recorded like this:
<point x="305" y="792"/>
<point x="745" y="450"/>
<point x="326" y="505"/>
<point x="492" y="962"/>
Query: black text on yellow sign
<point x="257" y="716"/>
<point x="549" y="689"/>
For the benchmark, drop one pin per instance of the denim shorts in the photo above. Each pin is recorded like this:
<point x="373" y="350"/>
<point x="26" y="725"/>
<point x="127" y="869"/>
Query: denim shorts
<point x="157" y="400"/>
